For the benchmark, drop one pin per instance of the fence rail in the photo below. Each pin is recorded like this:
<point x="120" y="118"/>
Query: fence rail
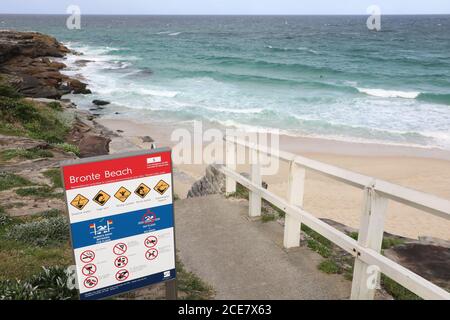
<point x="368" y="247"/>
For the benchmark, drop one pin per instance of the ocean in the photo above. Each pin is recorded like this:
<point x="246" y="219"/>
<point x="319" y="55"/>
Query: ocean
<point x="318" y="76"/>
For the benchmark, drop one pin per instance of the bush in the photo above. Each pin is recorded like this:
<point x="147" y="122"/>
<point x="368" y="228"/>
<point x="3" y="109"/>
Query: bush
<point x="50" y="284"/>
<point x="40" y="232"/>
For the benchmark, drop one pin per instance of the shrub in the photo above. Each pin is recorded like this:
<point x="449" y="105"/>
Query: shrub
<point x="50" y="284"/>
<point x="4" y="217"/>
<point x="40" y="232"/>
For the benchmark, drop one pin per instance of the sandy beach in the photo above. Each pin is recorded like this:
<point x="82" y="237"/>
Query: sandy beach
<point x="422" y="169"/>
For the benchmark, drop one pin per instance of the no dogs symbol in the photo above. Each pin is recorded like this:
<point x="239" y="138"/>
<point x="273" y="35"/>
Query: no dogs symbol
<point x="151" y="254"/>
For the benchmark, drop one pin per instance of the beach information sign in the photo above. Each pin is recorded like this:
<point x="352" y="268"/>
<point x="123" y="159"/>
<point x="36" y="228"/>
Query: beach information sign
<point x="121" y="220"/>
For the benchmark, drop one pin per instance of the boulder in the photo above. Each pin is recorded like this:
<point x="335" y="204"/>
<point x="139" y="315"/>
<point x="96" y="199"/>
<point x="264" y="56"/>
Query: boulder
<point x="100" y="102"/>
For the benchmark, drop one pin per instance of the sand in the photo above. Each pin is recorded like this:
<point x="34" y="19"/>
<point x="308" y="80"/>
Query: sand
<point x="426" y="170"/>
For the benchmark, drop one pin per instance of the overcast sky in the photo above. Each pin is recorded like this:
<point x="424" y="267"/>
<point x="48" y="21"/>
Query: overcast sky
<point x="226" y="6"/>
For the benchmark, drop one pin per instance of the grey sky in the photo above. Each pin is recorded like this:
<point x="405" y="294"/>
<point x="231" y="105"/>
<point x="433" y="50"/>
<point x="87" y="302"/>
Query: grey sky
<point x="226" y="6"/>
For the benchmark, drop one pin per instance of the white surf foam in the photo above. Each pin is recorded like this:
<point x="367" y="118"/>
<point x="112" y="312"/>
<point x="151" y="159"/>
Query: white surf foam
<point x="381" y="93"/>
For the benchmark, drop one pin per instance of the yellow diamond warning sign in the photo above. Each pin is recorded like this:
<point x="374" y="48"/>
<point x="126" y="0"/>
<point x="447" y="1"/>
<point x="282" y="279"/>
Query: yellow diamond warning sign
<point x="161" y="187"/>
<point x="122" y="194"/>
<point x="101" y="197"/>
<point x="142" y="190"/>
<point x="79" y="202"/>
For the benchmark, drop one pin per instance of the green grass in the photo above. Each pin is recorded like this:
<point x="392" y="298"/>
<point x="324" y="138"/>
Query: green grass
<point x="55" y="177"/>
<point x="267" y="217"/>
<point x="387" y="242"/>
<point x="8" y="91"/>
<point x="240" y="193"/>
<point x="43" y="192"/>
<point x="67" y="147"/>
<point x="21" y="117"/>
<point x="10" y="180"/>
<point x="329" y="266"/>
<point x="190" y="285"/>
<point x="397" y="291"/>
<point x="34" y="153"/>
<point x="55" y="106"/>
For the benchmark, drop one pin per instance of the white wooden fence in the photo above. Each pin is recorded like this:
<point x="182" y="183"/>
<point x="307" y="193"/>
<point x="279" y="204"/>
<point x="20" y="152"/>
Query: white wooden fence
<point x="376" y="195"/>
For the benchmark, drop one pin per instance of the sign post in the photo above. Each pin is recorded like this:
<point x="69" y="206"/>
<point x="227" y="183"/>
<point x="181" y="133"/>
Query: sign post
<point x="122" y="222"/>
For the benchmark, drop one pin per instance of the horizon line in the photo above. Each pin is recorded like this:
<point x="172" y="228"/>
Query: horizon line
<point x="231" y="14"/>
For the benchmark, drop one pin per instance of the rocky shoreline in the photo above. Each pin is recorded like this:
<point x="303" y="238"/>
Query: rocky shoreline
<point x="38" y="128"/>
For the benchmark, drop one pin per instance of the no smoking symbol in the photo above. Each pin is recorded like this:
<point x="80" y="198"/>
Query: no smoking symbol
<point x="121" y="262"/>
<point x="120" y="249"/>
<point x="151" y="254"/>
<point x="151" y="241"/>
<point x="87" y="256"/>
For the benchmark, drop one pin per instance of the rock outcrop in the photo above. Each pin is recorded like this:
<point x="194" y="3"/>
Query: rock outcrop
<point x="26" y="64"/>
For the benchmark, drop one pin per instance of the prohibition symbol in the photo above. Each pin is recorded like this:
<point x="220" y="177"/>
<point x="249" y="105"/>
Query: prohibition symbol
<point x="90" y="282"/>
<point x="87" y="256"/>
<point x="120" y="249"/>
<point x="121" y="262"/>
<point x="89" y="269"/>
<point x="122" y="275"/>
<point x="79" y="202"/>
<point x="149" y="217"/>
<point x="122" y="194"/>
<point x="101" y="197"/>
<point x="151" y="254"/>
<point x="151" y="241"/>
<point x="161" y="187"/>
<point x="142" y="191"/>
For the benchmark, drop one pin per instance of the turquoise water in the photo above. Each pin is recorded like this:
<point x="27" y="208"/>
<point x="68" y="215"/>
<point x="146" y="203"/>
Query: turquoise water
<point x="319" y="76"/>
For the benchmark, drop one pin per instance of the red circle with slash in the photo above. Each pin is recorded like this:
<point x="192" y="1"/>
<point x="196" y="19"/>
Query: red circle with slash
<point x="122" y="275"/>
<point x="87" y="256"/>
<point x="120" y="249"/>
<point x="149" y="217"/>
<point x="151" y="241"/>
<point x="89" y="269"/>
<point x="151" y="254"/>
<point x="121" y="262"/>
<point x="90" y="282"/>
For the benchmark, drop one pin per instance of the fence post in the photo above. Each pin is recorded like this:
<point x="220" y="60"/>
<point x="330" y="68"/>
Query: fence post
<point x="230" y="184"/>
<point x="296" y="186"/>
<point x="255" y="176"/>
<point x="371" y="231"/>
